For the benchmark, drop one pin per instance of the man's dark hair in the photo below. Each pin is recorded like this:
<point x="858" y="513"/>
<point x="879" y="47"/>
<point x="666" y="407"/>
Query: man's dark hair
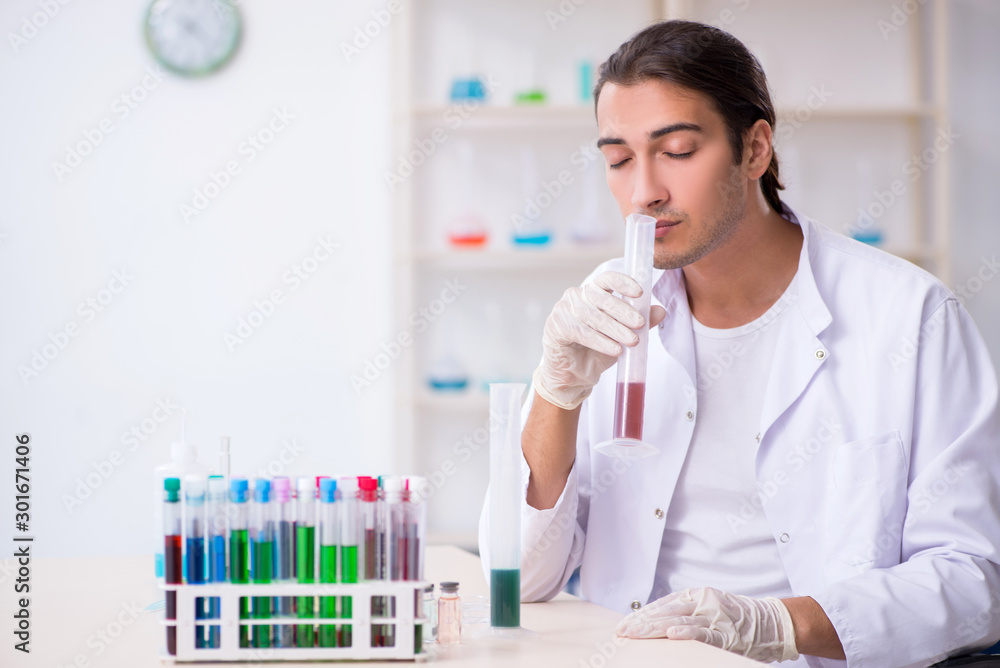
<point x="709" y="61"/>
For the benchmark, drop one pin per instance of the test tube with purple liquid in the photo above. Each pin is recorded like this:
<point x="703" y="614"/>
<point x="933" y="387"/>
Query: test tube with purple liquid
<point x="630" y="394"/>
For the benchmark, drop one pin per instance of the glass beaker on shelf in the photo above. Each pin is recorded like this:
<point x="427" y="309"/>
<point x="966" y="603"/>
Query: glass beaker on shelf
<point x="529" y="227"/>
<point x="467" y="229"/>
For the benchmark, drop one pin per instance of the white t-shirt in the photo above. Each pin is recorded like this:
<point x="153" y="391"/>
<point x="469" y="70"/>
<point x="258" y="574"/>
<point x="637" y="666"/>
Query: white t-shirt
<point x="715" y="533"/>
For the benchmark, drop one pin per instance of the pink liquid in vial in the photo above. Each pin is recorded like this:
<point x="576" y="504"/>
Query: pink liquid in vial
<point x="629" y="401"/>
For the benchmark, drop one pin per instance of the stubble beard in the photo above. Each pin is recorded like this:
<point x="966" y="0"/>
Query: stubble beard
<point x="704" y="240"/>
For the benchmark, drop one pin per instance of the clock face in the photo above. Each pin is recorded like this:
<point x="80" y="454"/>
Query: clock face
<point x="192" y="37"/>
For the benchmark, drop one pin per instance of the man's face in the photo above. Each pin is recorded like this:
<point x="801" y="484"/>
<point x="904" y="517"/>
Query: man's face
<point x="668" y="156"/>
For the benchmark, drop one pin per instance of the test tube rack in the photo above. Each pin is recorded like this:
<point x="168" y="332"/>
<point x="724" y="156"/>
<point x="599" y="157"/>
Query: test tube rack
<point x="408" y="595"/>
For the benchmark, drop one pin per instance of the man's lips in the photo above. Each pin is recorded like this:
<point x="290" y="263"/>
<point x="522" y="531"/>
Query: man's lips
<point x="663" y="227"/>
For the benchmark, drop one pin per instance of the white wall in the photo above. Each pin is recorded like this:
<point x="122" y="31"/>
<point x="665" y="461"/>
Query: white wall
<point x="161" y="337"/>
<point x="975" y="98"/>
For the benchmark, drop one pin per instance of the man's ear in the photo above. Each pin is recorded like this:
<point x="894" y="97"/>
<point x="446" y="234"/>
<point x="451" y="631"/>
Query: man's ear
<point x="757" y="149"/>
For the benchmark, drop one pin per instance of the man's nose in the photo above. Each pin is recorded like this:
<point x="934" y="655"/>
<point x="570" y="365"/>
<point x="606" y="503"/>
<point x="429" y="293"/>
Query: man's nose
<point x="649" y="191"/>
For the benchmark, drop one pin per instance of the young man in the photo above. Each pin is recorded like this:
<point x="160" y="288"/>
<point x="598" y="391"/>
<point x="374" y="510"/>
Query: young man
<point x="825" y="413"/>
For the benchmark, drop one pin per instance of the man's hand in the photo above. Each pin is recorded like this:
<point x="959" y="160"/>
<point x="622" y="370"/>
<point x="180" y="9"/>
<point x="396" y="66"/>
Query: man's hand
<point x="584" y="335"/>
<point x="760" y="629"/>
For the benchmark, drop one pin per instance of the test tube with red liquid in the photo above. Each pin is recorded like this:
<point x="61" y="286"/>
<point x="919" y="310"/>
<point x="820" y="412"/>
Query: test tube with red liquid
<point x="172" y="552"/>
<point x="630" y="394"/>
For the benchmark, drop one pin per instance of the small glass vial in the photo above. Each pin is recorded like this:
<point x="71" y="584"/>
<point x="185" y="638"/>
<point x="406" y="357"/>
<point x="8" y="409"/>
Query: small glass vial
<point x="449" y="615"/>
<point x="431" y="613"/>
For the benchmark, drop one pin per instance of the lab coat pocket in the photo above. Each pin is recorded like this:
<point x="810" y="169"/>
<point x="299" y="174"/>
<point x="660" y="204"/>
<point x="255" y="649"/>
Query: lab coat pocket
<point x="866" y="505"/>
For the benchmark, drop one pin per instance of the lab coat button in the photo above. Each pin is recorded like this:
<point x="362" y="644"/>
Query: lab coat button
<point x="820" y="354"/>
<point x="690" y="416"/>
<point x="784" y="538"/>
<point x="659" y="514"/>
<point x="636" y="605"/>
<point x="758" y="438"/>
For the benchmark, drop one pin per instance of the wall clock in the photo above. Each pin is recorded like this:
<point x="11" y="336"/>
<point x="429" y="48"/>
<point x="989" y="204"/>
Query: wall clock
<point x="193" y="37"/>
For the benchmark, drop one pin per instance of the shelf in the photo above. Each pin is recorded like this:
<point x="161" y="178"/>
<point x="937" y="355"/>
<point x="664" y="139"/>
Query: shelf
<point x="487" y="116"/>
<point x="857" y="113"/>
<point x="466" y="401"/>
<point x="571" y="257"/>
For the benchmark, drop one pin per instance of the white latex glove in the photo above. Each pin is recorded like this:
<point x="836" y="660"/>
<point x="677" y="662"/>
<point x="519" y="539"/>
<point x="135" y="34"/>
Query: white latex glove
<point x="760" y="629"/>
<point x="584" y="335"/>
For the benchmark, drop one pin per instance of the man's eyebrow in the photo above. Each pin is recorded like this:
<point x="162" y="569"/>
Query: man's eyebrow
<point x="655" y="134"/>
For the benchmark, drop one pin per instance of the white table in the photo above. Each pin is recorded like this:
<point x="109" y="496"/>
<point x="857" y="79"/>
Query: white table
<point x="90" y="613"/>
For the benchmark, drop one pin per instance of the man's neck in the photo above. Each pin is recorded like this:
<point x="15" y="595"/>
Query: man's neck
<point x="739" y="281"/>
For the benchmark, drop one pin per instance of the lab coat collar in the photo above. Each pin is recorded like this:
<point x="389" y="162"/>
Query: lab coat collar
<point x="669" y="289"/>
<point x="802" y="351"/>
<point x="810" y="302"/>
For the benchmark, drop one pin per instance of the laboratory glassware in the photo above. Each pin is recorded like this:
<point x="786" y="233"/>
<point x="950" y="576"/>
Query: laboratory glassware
<point x="505" y="506"/>
<point x="239" y="547"/>
<point x="172" y="567"/>
<point x="467" y="229"/>
<point x="350" y="530"/>
<point x="430" y="614"/>
<point x="449" y="615"/>
<point x="328" y="557"/>
<point x="262" y="558"/>
<point x="630" y="392"/>
<point x="215" y="528"/>
<point x="305" y="557"/>
<point x="284" y="550"/>
<point x="529" y="228"/>
<point x="183" y="462"/>
<point x="194" y="502"/>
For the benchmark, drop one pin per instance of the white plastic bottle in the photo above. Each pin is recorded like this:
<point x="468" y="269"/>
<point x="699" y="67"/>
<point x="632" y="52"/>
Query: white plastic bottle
<point x="183" y="462"/>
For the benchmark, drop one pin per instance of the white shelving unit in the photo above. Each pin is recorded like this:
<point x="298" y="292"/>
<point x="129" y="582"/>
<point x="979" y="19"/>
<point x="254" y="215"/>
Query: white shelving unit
<point x="888" y="100"/>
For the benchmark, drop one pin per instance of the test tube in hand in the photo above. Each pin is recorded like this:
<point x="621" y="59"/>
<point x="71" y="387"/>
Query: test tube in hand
<point x="630" y="395"/>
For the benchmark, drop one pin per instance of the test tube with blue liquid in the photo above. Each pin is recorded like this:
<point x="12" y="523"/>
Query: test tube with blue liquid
<point x="261" y="558"/>
<point x="216" y="530"/>
<point x="284" y="540"/>
<point x="505" y="508"/>
<point x="194" y="500"/>
<point x="630" y="394"/>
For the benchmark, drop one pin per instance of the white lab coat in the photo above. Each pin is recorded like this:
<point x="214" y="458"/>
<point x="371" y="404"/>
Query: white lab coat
<point x="877" y="463"/>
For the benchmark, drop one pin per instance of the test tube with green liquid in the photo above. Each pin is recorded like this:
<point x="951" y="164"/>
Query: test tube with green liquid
<point x="284" y="555"/>
<point x="305" y="557"/>
<point x="261" y="561"/>
<point x="505" y="505"/>
<point x="239" y="548"/>
<point x="327" y="558"/>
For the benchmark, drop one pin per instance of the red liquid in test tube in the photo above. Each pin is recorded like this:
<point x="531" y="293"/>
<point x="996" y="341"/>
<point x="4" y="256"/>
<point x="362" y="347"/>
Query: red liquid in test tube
<point x="630" y="399"/>
<point x="630" y="390"/>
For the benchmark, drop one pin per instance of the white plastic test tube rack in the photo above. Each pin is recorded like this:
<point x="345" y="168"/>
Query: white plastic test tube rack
<point x="405" y="620"/>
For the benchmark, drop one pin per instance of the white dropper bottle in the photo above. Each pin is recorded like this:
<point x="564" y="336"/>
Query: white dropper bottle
<point x="183" y="462"/>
